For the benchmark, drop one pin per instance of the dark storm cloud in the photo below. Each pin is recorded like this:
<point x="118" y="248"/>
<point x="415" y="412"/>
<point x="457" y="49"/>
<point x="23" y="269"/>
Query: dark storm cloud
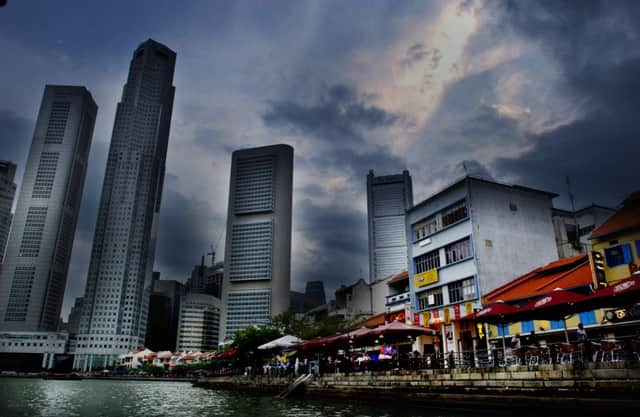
<point x="338" y="116"/>
<point x="338" y="251"/>
<point x="595" y="44"/>
<point x="15" y="137"/>
<point x="486" y="125"/>
<point x="183" y="234"/>
<point x="340" y="120"/>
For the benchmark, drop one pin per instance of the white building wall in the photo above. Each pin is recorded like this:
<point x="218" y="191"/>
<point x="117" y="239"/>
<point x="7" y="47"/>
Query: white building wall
<point x="513" y="232"/>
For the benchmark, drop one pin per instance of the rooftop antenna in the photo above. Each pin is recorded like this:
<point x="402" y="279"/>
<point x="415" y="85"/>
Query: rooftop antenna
<point x="576" y="242"/>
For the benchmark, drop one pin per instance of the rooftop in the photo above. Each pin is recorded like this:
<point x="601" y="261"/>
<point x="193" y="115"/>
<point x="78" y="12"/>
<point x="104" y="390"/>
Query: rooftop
<point x="573" y="272"/>
<point x="626" y="218"/>
<point x="483" y="180"/>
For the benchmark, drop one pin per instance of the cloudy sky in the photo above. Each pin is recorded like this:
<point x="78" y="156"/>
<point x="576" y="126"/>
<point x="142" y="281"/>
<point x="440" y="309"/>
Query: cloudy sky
<point x="528" y="92"/>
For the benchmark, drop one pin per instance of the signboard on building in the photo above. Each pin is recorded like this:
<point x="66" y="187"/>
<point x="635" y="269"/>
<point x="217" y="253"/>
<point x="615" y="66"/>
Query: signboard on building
<point x="597" y="267"/>
<point x="408" y="315"/>
<point x="425" y="278"/>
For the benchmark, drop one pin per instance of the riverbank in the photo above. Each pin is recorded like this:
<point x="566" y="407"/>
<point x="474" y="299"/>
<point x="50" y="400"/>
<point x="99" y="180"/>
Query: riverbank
<point x="593" y="389"/>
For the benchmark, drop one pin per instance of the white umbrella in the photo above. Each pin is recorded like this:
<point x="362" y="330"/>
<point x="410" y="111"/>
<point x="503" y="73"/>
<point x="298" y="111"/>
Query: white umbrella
<point x="281" y="342"/>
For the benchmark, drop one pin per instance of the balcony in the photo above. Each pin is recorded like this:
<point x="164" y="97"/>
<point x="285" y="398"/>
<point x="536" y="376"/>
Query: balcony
<point x="397" y="299"/>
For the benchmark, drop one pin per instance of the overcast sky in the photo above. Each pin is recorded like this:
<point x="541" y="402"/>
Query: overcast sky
<point x="528" y="92"/>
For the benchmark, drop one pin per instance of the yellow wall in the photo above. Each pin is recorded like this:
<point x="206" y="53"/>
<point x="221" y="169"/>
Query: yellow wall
<point x="621" y="271"/>
<point x="572" y="323"/>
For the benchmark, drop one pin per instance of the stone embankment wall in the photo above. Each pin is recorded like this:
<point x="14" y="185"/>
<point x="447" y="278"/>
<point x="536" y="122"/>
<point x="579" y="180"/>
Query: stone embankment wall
<point x="593" y="389"/>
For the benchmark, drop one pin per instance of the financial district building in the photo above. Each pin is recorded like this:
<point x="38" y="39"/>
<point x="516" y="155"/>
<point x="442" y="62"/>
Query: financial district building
<point x="119" y="282"/>
<point x="258" y="241"/>
<point x="34" y="273"/>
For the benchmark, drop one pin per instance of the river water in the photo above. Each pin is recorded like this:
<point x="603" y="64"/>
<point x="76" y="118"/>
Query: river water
<point x="109" y="398"/>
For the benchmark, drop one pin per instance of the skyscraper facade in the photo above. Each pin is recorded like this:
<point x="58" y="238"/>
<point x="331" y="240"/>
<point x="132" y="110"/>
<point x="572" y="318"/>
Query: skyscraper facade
<point x="36" y="263"/>
<point x="116" y="301"/>
<point x="258" y="245"/>
<point x="7" y="194"/>
<point x="388" y="197"/>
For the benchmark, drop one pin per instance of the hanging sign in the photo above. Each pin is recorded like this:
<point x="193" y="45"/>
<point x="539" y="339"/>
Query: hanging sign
<point x="447" y="315"/>
<point x="468" y="306"/>
<point x="456" y="312"/>
<point x="436" y="316"/>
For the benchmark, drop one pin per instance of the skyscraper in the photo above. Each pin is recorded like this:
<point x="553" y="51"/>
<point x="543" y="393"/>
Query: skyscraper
<point x="258" y="245"/>
<point x="116" y="301"/>
<point x="7" y="194"/>
<point x="35" y="267"/>
<point x="388" y="197"/>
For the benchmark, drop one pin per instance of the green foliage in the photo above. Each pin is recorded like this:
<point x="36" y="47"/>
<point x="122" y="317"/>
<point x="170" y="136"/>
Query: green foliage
<point x="306" y="328"/>
<point x="249" y="338"/>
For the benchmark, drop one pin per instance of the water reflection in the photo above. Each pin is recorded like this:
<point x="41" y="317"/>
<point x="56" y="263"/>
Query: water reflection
<point x="37" y="397"/>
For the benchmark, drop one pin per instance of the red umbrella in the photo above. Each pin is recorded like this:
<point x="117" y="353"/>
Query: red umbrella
<point x="620" y="294"/>
<point x="227" y="354"/>
<point x="497" y="312"/>
<point x="552" y="306"/>
<point x="558" y="304"/>
<point x="400" y="327"/>
<point x="317" y="342"/>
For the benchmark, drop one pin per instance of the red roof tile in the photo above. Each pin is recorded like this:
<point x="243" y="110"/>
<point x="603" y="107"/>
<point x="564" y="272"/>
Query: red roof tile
<point x="627" y="217"/>
<point x="404" y="275"/>
<point x="565" y="273"/>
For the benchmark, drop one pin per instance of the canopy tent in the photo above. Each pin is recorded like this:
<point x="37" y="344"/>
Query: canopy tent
<point x="281" y="343"/>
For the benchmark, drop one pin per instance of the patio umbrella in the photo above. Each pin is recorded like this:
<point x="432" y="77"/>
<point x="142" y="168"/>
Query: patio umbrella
<point x="496" y="313"/>
<point x="552" y="306"/>
<point x="620" y="294"/>
<point x="396" y="331"/>
<point x="318" y="342"/>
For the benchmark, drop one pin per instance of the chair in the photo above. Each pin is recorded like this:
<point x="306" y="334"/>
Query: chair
<point x="533" y="355"/>
<point x="610" y="352"/>
<point x="567" y="353"/>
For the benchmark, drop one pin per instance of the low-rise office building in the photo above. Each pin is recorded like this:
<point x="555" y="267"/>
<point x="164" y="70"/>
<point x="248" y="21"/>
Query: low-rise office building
<point x="468" y="239"/>
<point x="199" y="324"/>
<point x="26" y="351"/>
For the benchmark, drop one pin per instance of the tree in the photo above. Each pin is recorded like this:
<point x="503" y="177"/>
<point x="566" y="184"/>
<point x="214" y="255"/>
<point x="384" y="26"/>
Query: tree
<point x="306" y="328"/>
<point x="249" y="338"/>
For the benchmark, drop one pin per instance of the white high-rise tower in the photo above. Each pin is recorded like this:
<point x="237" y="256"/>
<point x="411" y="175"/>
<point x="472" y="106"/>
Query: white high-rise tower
<point x="36" y="262"/>
<point x="388" y="197"/>
<point x="257" y="272"/>
<point x="116" y="300"/>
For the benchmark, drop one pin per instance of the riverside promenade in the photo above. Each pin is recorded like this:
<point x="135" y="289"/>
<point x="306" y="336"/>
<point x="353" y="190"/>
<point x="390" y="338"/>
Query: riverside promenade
<point x="602" y="389"/>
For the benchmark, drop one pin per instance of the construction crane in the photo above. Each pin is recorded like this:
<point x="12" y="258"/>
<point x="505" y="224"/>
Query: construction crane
<point x="213" y="250"/>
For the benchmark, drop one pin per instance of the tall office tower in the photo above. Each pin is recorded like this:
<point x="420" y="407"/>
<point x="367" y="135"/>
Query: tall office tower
<point x="388" y="197"/>
<point x="314" y="292"/>
<point x="116" y="301"/>
<point x="257" y="263"/>
<point x="7" y="193"/>
<point x="36" y="263"/>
